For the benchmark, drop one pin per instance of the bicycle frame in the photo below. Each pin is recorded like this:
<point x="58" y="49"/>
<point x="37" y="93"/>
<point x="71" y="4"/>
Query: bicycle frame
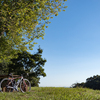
<point x="18" y="82"/>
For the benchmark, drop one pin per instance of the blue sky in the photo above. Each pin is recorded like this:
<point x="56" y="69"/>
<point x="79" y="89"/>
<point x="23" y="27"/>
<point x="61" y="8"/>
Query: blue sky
<point x="72" y="44"/>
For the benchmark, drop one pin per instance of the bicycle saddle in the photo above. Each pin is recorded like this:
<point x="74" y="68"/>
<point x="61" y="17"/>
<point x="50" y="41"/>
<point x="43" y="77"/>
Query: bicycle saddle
<point x="10" y="74"/>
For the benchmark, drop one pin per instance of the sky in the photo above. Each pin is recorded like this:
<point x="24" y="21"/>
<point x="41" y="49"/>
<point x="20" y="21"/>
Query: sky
<point x="71" y="45"/>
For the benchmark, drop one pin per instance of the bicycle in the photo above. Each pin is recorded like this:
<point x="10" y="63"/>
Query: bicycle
<point x="9" y="83"/>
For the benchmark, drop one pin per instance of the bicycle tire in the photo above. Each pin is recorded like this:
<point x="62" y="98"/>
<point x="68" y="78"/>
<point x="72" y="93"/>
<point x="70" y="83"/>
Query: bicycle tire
<point x="3" y="84"/>
<point x="23" y="87"/>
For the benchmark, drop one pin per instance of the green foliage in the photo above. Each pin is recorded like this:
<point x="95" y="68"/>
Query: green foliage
<point x="6" y="51"/>
<point x="22" y="21"/>
<point x="27" y="63"/>
<point x="92" y="82"/>
<point x="53" y="93"/>
<point x="78" y="85"/>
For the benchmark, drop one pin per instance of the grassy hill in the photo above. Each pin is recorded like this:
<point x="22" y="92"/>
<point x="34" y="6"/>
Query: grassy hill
<point x="53" y="93"/>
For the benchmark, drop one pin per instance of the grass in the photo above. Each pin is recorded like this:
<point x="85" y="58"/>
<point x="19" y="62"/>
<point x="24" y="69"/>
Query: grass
<point x="53" y="93"/>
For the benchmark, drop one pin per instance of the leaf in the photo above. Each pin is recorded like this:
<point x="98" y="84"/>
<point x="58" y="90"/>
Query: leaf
<point x="56" y="14"/>
<point x="63" y="10"/>
<point x="46" y="26"/>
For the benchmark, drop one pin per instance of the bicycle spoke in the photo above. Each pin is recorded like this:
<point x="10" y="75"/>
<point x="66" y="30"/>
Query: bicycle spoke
<point x="25" y="85"/>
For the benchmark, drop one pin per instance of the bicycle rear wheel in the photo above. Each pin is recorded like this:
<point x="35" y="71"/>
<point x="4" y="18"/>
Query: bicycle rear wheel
<point x="25" y="85"/>
<point x="4" y="84"/>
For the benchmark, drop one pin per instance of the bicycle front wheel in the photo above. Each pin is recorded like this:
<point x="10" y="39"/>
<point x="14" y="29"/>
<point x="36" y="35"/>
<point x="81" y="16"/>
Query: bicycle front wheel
<point x="25" y="85"/>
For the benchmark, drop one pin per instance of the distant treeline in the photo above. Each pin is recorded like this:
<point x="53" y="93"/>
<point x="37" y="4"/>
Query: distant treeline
<point x="92" y="82"/>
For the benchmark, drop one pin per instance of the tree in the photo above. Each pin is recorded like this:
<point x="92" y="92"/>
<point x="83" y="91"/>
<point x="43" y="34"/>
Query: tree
<point x="28" y="63"/>
<point x="92" y="82"/>
<point x="22" y="21"/>
<point x="78" y="85"/>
